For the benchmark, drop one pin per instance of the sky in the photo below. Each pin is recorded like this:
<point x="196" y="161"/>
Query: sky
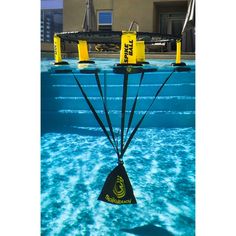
<point x="51" y="4"/>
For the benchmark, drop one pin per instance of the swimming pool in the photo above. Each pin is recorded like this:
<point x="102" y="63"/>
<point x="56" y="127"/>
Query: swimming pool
<point x="76" y="157"/>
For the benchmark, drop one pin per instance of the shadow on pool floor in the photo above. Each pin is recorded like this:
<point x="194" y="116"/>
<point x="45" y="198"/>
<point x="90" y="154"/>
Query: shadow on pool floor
<point x="148" y="230"/>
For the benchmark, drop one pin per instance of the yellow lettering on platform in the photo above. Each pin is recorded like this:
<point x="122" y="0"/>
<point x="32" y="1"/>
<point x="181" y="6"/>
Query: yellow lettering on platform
<point x="140" y="51"/>
<point x="57" y="49"/>
<point x="128" y="48"/>
<point x="83" y="50"/>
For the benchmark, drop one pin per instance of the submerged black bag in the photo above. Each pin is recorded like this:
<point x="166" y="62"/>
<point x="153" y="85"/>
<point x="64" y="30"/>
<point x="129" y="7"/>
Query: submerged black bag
<point x="117" y="188"/>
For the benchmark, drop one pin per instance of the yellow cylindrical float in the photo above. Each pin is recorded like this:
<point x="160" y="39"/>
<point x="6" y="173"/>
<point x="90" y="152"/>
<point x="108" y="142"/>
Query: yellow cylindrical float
<point x="57" y="49"/>
<point x="128" y="53"/>
<point x="140" y="51"/>
<point x="178" y="52"/>
<point x="83" y="50"/>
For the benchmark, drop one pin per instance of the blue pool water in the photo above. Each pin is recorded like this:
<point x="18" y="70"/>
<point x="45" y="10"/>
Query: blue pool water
<point x="46" y="64"/>
<point x="160" y="162"/>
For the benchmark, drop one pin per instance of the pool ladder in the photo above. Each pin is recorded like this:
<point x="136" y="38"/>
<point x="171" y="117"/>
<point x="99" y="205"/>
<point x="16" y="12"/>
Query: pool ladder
<point x="132" y="24"/>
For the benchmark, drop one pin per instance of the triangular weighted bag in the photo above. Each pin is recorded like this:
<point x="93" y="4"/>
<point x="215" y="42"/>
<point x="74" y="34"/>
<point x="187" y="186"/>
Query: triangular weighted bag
<point x="117" y="188"/>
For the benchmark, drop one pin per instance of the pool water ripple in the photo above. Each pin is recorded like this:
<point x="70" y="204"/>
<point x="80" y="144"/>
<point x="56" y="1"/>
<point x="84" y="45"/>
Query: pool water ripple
<point x="161" y="167"/>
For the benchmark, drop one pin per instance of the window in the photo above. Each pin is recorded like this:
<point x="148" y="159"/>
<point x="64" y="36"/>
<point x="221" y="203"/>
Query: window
<point x="105" y="20"/>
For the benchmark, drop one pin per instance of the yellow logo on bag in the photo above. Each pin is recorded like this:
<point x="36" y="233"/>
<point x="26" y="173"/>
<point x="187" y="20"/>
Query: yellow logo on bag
<point x="119" y="188"/>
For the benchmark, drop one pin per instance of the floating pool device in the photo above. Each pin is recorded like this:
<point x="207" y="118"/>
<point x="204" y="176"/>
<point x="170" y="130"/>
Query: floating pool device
<point x="57" y="51"/>
<point x="117" y="188"/>
<point x="178" y="54"/>
<point x="83" y="52"/>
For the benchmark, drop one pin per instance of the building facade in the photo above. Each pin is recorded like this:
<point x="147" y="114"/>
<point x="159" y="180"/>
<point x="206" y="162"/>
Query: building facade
<point x="162" y="16"/>
<point x="51" y="22"/>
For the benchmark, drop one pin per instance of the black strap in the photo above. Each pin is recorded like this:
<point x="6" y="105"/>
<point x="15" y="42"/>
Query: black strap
<point x="95" y="114"/>
<point x="141" y="120"/>
<point x="134" y="105"/>
<point x="106" y="113"/>
<point x="124" y="98"/>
